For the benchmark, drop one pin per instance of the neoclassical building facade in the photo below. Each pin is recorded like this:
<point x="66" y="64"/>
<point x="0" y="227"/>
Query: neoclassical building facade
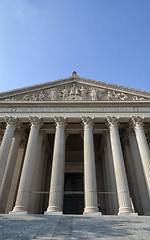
<point x="75" y="146"/>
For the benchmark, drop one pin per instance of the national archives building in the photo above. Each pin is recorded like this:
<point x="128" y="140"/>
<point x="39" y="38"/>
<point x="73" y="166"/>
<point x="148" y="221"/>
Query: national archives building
<point x="75" y="146"/>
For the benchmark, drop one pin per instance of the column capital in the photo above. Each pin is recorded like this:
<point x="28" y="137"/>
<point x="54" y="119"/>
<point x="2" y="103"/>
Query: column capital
<point x="112" y="121"/>
<point x="60" y="121"/>
<point x="136" y="121"/>
<point x="36" y="121"/>
<point x="11" y="121"/>
<point x="87" y="121"/>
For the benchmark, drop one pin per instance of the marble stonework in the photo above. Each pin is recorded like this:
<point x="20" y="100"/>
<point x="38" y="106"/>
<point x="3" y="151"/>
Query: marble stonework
<point x="75" y="146"/>
<point x="77" y="89"/>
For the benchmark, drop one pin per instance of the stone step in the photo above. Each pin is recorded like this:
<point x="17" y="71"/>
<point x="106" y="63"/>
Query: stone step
<point x="44" y="227"/>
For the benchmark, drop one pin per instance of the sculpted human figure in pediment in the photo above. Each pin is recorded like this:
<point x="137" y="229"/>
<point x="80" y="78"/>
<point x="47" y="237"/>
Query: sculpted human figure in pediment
<point x="76" y="92"/>
<point x="136" y="98"/>
<point x="65" y="92"/>
<point x="93" y="94"/>
<point x="52" y="94"/>
<point x="83" y="93"/>
<point x="112" y="95"/>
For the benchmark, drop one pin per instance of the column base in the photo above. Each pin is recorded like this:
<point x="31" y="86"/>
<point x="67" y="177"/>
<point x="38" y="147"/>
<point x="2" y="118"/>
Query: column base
<point x="132" y="214"/>
<point x="91" y="210"/>
<point x="54" y="209"/>
<point x="92" y="214"/>
<point x="18" y="212"/>
<point x="53" y="213"/>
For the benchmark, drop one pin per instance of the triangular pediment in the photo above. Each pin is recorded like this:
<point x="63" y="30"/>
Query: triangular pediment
<point x="75" y="88"/>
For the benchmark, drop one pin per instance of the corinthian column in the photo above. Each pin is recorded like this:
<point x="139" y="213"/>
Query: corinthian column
<point x="137" y="165"/>
<point x="57" y="176"/>
<point x="7" y="179"/>
<point x="119" y="168"/>
<point x="143" y="148"/>
<point x="36" y="182"/>
<point x="24" y="189"/>
<point x="6" y="143"/>
<point x="90" y="188"/>
<point x="132" y="174"/>
<point x="111" y="174"/>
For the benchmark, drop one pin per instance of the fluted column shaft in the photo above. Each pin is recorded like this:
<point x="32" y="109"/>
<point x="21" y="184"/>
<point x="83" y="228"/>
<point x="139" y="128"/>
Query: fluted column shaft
<point x="16" y="176"/>
<point x="108" y="186"/>
<point x="38" y="206"/>
<point x="119" y="168"/>
<point x="90" y="188"/>
<point x="111" y="173"/>
<point x="6" y="182"/>
<point x="143" y="148"/>
<point x="37" y="173"/>
<point x="57" y="176"/>
<point x="24" y="189"/>
<point x="6" y="143"/>
<point x="144" y="198"/>
<point x="132" y="176"/>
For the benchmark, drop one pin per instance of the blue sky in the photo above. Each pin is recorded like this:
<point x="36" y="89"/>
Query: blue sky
<point x="46" y="40"/>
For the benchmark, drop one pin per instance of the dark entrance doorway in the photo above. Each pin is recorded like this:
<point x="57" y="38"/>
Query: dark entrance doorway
<point x="73" y="194"/>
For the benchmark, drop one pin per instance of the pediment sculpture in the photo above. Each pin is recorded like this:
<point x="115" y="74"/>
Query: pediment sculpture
<point x="76" y="92"/>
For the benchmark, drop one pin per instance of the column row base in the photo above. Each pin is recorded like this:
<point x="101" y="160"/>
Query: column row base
<point x="86" y="214"/>
<point x="128" y="214"/>
<point x="53" y="213"/>
<point x="18" y="212"/>
<point x="92" y="214"/>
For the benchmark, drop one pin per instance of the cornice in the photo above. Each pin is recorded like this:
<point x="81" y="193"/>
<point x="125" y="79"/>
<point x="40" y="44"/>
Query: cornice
<point x="116" y="87"/>
<point x="76" y="79"/>
<point x="35" y="87"/>
<point x="63" y="104"/>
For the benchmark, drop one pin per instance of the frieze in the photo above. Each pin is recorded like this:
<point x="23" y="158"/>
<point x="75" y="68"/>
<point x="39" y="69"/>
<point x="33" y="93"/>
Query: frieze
<point x="75" y="109"/>
<point x="76" y="92"/>
<point x="29" y="92"/>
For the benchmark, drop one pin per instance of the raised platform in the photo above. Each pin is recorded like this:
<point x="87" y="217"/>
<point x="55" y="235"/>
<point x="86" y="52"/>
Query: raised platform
<point x="44" y="227"/>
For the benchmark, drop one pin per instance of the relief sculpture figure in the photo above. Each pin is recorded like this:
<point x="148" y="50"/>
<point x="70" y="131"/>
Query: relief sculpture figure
<point x="41" y="96"/>
<point x="83" y="93"/>
<point x="74" y="90"/>
<point x="26" y="97"/>
<point x="94" y="94"/>
<point x="65" y="92"/>
<point x="53" y="95"/>
<point x="116" y="96"/>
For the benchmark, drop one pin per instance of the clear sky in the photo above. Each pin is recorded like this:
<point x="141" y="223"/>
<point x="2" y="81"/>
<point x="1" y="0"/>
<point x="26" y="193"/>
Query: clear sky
<point x="46" y="40"/>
